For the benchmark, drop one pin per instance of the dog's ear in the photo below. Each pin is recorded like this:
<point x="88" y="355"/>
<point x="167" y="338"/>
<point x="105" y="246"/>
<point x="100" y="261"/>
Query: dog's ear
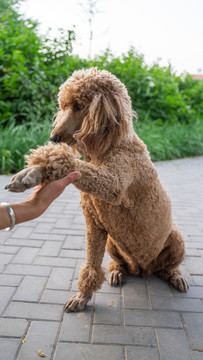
<point x="105" y="124"/>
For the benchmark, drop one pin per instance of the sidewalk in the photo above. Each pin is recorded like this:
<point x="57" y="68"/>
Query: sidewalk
<point x="141" y="320"/>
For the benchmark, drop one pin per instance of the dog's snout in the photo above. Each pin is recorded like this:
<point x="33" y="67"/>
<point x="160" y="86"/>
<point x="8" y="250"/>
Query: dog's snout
<point x="55" y="138"/>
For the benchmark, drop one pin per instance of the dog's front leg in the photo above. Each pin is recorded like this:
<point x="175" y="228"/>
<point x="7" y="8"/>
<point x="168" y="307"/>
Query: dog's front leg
<point x="92" y="274"/>
<point x="46" y="164"/>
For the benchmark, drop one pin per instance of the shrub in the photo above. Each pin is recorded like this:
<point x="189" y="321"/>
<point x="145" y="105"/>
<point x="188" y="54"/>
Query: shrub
<point x="157" y="93"/>
<point x="29" y="68"/>
<point x="169" y="107"/>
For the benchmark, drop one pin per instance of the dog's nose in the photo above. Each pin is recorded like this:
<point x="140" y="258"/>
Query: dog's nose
<point x="55" y="138"/>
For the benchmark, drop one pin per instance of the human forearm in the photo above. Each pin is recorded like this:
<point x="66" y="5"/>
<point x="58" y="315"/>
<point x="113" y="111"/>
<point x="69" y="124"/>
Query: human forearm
<point x="5" y="220"/>
<point x="24" y="211"/>
<point x="37" y="202"/>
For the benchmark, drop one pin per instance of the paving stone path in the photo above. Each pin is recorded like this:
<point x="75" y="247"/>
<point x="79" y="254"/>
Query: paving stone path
<point x="144" y="319"/>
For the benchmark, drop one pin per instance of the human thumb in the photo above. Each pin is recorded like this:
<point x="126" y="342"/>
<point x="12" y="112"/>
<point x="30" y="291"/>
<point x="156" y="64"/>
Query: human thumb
<point x="73" y="176"/>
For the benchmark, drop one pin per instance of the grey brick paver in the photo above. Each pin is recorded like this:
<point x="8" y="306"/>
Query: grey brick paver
<point x="63" y="223"/>
<point x="76" y="327"/>
<point x="49" y="237"/>
<point x="177" y="304"/>
<point x="22" y="232"/>
<point x="25" y="256"/>
<point x="158" y="287"/>
<point x="135" y="295"/>
<point x="13" y="327"/>
<point x="9" y="348"/>
<point x="194" y="326"/>
<point x="34" y="311"/>
<point x="5" y="259"/>
<point x="110" y="289"/>
<point x="5" y="249"/>
<point x="77" y="254"/>
<point x="30" y="288"/>
<point x="198" y="280"/>
<point x="4" y="236"/>
<point x="25" y="242"/>
<point x="152" y="318"/>
<point x="91" y="352"/>
<point x="142" y="319"/>
<point x="6" y="294"/>
<point x="60" y="279"/>
<point x="41" y="335"/>
<point x="108" y="309"/>
<point x="173" y="345"/>
<point x="73" y="242"/>
<point x="28" y="269"/>
<point x="195" y="265"/>
<point x="198" y="355"/>
<point x="50" y="248"/>
<point x="55" y="261"/>
<point x="43" y="228"/>
<point x="193" y="292"/>
<point x="10" y="280"/>
<point x="56" y="296"/>
<point x="71" y="232"/>
<point x="124" y="335"/>
<point x="142" y="353"/>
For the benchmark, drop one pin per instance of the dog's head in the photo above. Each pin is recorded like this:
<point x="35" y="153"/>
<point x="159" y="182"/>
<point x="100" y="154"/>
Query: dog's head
<point x="95" y="111"/>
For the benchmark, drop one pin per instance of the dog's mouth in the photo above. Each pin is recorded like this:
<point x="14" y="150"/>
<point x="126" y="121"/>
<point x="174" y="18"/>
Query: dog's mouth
<point x="69" y="140"/>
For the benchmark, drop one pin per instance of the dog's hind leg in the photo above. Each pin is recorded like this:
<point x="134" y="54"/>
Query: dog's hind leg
<point x="117" y="266"/>
<point x="166" y="265"/>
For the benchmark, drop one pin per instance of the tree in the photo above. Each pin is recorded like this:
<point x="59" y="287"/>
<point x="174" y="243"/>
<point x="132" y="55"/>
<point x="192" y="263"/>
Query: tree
<point x="91" y="10"/>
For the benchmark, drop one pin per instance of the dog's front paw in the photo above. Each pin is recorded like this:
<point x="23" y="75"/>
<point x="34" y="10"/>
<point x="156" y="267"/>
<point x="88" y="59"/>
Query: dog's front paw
<point x="25" y="179"/>
<point x="115" y="278"/>
<point x="77" y="302"/>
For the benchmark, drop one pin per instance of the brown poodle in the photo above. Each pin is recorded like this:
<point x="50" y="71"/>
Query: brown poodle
<point x="126" y="208"/>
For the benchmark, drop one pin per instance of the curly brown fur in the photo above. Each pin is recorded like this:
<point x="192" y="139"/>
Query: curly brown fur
<point x="90" y="279"/>
<point x="121" y="195"/>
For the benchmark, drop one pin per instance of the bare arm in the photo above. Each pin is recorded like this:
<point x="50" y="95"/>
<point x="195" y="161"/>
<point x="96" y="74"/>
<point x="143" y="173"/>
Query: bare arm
<point x="37" y="202"/>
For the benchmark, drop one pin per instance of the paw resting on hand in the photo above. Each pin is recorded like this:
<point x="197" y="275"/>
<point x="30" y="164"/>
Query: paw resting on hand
<point x="25" y="179"/>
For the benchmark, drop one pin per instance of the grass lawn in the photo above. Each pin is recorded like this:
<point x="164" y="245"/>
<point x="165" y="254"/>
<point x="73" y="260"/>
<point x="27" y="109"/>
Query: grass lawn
<point x="164" y="142"/>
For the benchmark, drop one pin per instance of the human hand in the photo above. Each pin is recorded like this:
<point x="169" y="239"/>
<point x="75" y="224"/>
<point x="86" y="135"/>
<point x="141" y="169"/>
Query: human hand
<point x="43" y="196"/>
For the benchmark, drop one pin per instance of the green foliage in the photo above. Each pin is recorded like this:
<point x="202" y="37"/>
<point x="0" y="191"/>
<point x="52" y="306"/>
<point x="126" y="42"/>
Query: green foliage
<point x="156" y="92"/>
<point x="16" y="142"/>
<point x="166" y="141"/>
<point x="171" y="141"/>
<point x="28" y="63"/>
<point x="32" y="67"/>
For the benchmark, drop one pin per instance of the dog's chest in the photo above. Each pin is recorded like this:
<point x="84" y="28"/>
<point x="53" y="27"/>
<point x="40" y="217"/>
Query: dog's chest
<point x="109" y="216"/>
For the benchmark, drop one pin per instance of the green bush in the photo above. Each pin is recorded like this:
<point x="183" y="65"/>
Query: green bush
<point x="163" y="141"/>
<point x="169" y="107"/>
<point x="166" y="142"/>
<point x="31" y="68"/>
<point x="157" y="93"/>
<point x="16" y="142"/>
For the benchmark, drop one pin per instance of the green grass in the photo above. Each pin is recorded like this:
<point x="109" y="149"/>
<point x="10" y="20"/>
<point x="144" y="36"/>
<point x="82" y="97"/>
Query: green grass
<point x="16" y="142"/>
<point x="164" y="141"/>
<point x="171" y="141"/>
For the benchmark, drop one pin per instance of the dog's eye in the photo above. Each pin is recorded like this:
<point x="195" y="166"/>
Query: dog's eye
<point x="77" y="107"/>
